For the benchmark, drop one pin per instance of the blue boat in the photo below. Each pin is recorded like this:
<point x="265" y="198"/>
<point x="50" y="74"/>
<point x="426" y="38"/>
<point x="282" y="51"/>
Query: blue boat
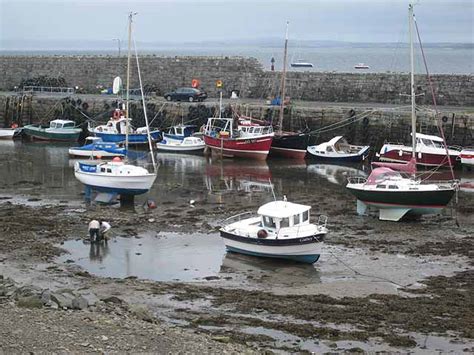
<point x="338" y="150"/>
<point x="98" y="149"/>
<point x="114" y="131"/>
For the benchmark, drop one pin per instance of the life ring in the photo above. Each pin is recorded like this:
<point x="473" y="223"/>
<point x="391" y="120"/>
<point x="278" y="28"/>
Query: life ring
<point x="444" y="119"/>
<point x="262" y="234"/>
<point x="117" y="114"/>
<point x="195" y="83"/>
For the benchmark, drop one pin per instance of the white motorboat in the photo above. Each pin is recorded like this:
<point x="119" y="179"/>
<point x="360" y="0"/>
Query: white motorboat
<point x="467" y="157"/>
<point x="188" y="144"/>
<point x="361" y="66"/>
<point x="301" y="64"/>
<point x="281" y="230"/>
<point x="7" y="133"/>
<point x="337" y="149"/>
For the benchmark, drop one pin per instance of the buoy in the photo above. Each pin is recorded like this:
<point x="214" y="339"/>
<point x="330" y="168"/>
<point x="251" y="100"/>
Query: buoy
<point x="14" y="125"/>
<point x="195" y="83"/>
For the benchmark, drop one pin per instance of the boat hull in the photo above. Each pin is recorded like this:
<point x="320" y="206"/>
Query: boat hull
<point x="290" y="145"/>
<point x="423" y="159"/>
<point x="40" y="133"/>
<point x="7" y="133"/>
<point x="356" y="157"/>
<point x="132" y="138"/>
<point x="122" y="185"/>
<point x="421" y="202"/>
<point x="253" y="148"/>
<point x="306" y="249"/>
<point x="467" y="157"/>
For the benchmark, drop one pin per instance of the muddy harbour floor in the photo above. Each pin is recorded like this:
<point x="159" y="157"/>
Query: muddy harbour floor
<point x="164" y="282"/>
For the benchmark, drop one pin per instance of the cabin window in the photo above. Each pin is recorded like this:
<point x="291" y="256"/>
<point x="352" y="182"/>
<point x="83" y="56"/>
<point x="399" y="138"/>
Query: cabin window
<point x="393" y="187"/>
<point x="438" y="144"/>
<point x="102" y="170"/>
<point x="305" y="216"/>
<point x="67" y="125"/>
<point x="109" y="170"/>
<point x="268" y="222"/>
<point x="296" y="219"/>
<point x="52" y="125"/>
<point x="179" y="131"/>
<point x="379" y="186"/>
<point x="427" y="142"/>
<point x="329" y="149"/>
<point x="285" y="222"/>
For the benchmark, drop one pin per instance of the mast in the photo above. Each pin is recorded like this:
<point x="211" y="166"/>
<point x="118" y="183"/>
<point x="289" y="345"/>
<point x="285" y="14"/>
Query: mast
<point x="412" y="81"/>
<point x="144" y="108"/>
<point x="127" y="96"/>
<point x="283" y="81"/>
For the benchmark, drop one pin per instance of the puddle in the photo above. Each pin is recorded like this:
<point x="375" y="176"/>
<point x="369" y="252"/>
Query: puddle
<point x="164" y="257"/>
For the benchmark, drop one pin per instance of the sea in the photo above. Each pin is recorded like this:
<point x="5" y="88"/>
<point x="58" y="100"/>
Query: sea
<point x="380" y="59"/>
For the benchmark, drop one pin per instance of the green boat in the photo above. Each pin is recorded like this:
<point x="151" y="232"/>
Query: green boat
<point x="58" y="130"/>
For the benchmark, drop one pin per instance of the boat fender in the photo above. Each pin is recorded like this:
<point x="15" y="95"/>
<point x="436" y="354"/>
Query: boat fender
<point x="85" y="106"/>
<point x="352" y="113"/>
<point x="117" y="114"/>
<point x="79" y="102"/>
<point x="365" y="121"/>
<point x="444" y="119"/>
<point x="262" y="234"/>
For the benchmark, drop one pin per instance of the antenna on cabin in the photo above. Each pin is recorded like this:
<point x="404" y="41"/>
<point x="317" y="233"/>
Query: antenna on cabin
<point x="273" y="191"/>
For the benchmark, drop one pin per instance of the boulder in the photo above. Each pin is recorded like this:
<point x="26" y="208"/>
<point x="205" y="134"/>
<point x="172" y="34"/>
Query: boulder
<point x="30" y="302"/>
<point x="80" y="303"/>
<point x="91" y="298"/>
<point x="142" y="312"/>
<point x="64" y="300"/>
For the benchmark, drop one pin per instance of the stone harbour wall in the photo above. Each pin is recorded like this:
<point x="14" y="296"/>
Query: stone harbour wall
<point x="245" y="75"/>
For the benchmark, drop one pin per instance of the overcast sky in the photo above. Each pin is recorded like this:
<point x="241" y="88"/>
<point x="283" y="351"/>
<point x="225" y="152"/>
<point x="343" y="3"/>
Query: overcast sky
<point x="204" y="20"/>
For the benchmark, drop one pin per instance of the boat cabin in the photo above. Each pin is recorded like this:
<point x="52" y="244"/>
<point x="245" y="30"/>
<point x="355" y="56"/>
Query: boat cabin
<point x="429" y="141"/>
<point x="60" y="124"/>
<point x="282" y="214"/>
<point x="336" y="145"/>
<point x="219" y="127"/>
<point x="249" y="129"/>
<point x="181" y="131"/>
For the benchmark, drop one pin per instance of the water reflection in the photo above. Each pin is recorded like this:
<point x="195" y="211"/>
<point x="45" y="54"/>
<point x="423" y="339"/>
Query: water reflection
<point x="226" y="176"/>
<point x="98" y="251"/>
<point x="271" y="271"/>
<point x="337" y="174"/>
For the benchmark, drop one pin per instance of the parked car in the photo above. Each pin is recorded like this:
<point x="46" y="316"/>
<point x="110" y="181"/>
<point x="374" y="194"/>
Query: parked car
<point x="186" y="94"/>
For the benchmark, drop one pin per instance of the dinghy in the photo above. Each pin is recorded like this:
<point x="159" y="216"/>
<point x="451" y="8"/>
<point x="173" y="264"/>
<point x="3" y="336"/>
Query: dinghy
<point x="337" y="149"/>
<point x="188" y="144"/>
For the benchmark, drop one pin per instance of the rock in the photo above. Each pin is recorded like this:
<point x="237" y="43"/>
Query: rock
<point x="79" y="303"/>
<point x="221" y="339"/>
<point x="30" y="302"/>
<point x="113" y="299"/>
<point x="210" y="278"/>
<point x="142" y="312"/>
<point x="64" y="300"/>
<point x="46" y="297"/>
<point x="91" y="298"/>
<point x="26" y="291"/>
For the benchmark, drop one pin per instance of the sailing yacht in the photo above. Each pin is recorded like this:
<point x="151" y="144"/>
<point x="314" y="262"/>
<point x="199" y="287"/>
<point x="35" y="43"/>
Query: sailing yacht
<point x="387" y="190"/>
<point x="119" y="176"/>
<point x="287" y="144"/>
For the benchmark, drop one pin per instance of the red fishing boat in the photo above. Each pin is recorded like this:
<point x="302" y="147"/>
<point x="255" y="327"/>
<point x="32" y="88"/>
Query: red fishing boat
<point x="230" y="138"/>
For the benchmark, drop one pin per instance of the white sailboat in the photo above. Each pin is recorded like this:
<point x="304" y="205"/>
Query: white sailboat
<point x="117" y="176"/>
<point x="393" y="194"/>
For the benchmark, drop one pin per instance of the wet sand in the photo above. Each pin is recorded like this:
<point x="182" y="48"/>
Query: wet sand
<point x="379" y="286"/>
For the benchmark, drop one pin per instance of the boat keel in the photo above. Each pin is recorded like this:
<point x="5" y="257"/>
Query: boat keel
<point x="392" y="214"/>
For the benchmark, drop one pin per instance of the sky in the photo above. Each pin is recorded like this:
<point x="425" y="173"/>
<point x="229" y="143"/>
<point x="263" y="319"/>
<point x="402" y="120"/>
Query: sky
<point x="25" y="23"/>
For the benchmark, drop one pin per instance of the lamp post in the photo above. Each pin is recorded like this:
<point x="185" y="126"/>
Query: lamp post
<point x="118" y="42"/>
